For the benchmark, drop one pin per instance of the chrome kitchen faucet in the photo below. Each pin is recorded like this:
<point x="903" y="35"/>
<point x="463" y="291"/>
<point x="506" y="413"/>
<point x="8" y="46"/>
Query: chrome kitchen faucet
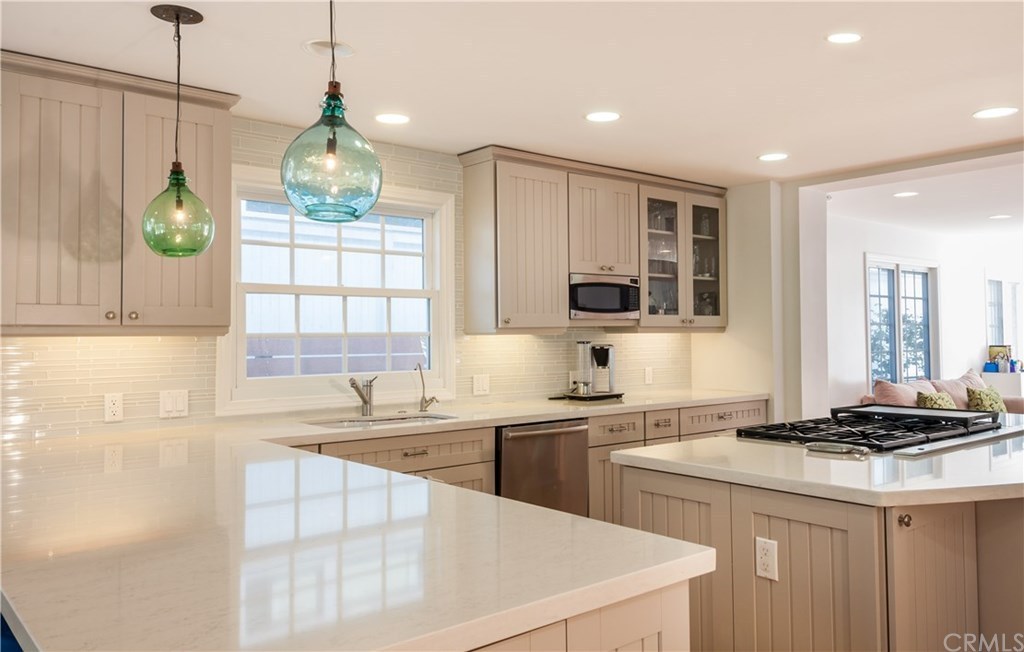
<point x="425" y="402"/>
<point x="365" y="394"/>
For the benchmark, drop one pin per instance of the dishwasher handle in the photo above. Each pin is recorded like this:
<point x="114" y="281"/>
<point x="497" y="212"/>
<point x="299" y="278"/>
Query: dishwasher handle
<point x="544" y="432"/>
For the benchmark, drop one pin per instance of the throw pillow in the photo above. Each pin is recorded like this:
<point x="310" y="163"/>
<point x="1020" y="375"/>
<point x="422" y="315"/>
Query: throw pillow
<point x="937" y="400"/>
<point x="905" y="394"/>
<point x="986" y="400"/>
<point x="957" y="388"/>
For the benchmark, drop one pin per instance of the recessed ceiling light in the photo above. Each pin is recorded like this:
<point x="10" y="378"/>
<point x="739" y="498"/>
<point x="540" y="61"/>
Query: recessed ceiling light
<point x="843" y="38"/>
<point x="999" y="217"/>
<point x="393" y="118"/>
<point x="603" y="116"/>
<point x="997" y="112"/>
<point x="909" y="193"/>
<point x="774" y="156"/>
<point x="322" y="48"/>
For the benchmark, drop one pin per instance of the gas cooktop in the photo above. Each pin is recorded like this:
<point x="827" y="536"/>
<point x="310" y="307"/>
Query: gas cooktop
<point x="879" y="428"/>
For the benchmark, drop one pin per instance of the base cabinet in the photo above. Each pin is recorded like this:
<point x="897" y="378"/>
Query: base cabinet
<point x="648" y="623"/>
<point x="605" y="479"/>
<point x="478" y="477"/>
<point x="851" y="577"/>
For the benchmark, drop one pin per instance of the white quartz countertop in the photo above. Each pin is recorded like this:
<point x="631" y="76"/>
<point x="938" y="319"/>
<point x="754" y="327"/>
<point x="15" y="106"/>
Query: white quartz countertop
<point x="234" y="542"/>
<point x="986" y="471"/>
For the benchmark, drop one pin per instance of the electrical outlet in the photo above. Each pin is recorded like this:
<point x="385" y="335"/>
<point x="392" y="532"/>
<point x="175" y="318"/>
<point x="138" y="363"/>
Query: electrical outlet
<point x="481" y="384"/>
<point x="572" y="379"/>
<point x="113" y="407"/>
<point x="113" y="459"/>
<point x="648" y="375"/>
<point x="766" y="557"/>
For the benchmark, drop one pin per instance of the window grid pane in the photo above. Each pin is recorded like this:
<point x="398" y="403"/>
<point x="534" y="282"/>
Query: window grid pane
<point x="881" y="323"/>
<point x="915" y="325"/>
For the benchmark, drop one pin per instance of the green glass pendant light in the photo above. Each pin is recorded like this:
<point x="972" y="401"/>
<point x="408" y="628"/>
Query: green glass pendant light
<point x="330" y="173"/>
<point x="177" y="223"/>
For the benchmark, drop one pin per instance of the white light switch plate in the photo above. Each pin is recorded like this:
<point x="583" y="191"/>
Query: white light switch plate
<point x="173" y="452"/>
<point x="173" y="403"/>
<point x="481" y="384"/>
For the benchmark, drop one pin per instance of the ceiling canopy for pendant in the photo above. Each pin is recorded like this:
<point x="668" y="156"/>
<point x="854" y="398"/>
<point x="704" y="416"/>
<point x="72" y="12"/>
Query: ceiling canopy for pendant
<point x="330" y="173"/>
<point x="177" y="223"/>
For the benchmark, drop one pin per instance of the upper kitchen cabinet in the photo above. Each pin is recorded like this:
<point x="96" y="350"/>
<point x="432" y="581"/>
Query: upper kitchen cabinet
<point x="84" y="151"/>
<point x="683" y="244"/>
<point x="61" y="203"/>
<point x="517" y="247"/>
<point x="161" y="291"/>
<point x="603" y="226"/>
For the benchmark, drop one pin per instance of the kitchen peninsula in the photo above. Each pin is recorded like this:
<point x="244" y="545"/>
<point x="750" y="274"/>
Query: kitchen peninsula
<point x="212" y="537"/>
<point x="874" y="552"/>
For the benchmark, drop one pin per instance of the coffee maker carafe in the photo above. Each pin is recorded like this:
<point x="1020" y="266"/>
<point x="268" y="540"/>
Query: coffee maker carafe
<point x="595" y="372"/>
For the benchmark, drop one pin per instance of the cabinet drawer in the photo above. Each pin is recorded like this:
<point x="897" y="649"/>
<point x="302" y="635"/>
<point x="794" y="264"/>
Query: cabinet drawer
<point x="418" y="452"/>
<point x="661" y="423"/>
<point x="725" y="416"/>
<point x="617" y="428"/>
<point x="479" y="477"/>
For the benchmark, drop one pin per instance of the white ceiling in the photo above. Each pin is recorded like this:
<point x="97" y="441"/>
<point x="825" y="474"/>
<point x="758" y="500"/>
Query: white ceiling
<point x="704" y="88"/>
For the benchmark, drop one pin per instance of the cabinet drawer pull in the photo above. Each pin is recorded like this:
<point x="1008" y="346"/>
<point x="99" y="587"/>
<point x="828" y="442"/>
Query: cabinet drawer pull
<point x="662" y="423"/>
<point x="725" y="416"/>
<point x="419" y="453"/>
<point x="110" y="314"/>
<point x="904" y="520"/>
<point x="622" y="427"/>
<point x="133" y="315"/>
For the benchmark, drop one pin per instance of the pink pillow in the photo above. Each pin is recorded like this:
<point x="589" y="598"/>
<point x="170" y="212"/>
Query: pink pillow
<point x="957" y="388"/>
<point x="887" y="393"/>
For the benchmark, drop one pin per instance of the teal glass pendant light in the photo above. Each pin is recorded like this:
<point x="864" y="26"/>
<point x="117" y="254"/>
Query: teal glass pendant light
<point x="330" y="173"/>
<point x="177" y="223"/>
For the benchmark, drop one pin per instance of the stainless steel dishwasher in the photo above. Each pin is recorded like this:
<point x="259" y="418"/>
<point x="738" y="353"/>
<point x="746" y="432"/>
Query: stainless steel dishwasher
<point x="545" y="464"/>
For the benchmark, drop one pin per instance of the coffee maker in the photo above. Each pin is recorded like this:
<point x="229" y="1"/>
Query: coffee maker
<point x="595" y="372"/>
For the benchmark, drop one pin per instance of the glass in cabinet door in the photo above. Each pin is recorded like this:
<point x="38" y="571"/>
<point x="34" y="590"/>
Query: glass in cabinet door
<point x="663" y="256"/>
<point x="706" y="227"/>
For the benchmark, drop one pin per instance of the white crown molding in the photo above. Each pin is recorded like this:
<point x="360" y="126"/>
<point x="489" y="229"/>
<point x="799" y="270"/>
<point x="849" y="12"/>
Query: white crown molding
<point x="79" y="74"/>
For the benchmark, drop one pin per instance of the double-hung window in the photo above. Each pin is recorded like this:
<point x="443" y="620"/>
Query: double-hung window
<point x="1002" y="298"/>
<point x="900" y="309"/>
<point x="317" y="303"/>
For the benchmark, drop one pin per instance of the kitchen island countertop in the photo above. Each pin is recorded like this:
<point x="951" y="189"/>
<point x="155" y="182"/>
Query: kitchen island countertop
<point x="212" y="538"/>
<point x="991" y="470"/>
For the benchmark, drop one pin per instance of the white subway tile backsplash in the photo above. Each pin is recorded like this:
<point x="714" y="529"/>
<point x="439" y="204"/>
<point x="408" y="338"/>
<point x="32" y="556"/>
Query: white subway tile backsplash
<point x="55" y="385"/>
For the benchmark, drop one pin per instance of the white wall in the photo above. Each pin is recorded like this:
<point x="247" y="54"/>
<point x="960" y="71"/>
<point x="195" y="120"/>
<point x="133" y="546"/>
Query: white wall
<point x="961" y="259"/>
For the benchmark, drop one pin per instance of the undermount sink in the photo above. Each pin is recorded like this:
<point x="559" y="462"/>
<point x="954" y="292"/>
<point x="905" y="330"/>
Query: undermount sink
<point x="352" y="422"/>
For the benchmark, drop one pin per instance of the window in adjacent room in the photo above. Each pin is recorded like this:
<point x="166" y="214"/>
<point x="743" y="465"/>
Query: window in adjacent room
<point x="899" y="321"/>
<point x="1003" y="313"/>
<point x="317" y="303"/>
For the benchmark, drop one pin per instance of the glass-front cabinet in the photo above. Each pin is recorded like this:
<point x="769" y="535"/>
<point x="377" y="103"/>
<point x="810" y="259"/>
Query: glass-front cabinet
<point x="683" y="240"/>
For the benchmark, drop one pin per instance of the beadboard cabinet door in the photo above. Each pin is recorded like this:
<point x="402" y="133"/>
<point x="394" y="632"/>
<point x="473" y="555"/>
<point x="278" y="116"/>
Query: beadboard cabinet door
<point x="603" y="226"/>
<point x="532" y="234"/>
<point x="61" y="203"/>
<point x="161" y="291"/>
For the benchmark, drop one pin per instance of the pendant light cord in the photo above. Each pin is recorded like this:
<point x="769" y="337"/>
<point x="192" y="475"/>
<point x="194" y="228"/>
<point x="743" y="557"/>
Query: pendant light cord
<point x="333" y="78"/>
<point x="177" y="95"/>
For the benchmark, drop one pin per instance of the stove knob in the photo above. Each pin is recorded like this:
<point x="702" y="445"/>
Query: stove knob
<point x="904" y="520"/>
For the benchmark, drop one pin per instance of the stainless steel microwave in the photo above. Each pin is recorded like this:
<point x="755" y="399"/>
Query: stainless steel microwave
<point x="595" y="296"/>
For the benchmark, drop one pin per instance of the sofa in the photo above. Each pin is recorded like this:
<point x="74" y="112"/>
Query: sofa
<point x="886" y="393"/>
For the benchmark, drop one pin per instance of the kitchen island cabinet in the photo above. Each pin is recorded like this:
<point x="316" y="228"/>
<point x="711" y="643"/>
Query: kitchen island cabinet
<point x="879" y="553"/>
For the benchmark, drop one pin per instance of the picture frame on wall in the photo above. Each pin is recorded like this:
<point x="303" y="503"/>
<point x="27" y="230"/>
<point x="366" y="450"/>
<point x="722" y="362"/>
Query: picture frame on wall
<point x="999" y="353"/>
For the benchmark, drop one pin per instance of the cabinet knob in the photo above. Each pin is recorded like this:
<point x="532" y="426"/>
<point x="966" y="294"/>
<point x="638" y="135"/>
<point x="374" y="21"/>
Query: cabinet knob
<point x="692" y="321"/>
<point x="133" y="315"/>
<point x="904" y="520"/>
<point x="110" y="314"/>
<point x="611" y="268"/>
<point x="507" y="320"/>
<point x="604" y="268"/>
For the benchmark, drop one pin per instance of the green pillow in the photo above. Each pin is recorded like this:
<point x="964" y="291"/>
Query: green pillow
<point x="936" y="400"/>
<point x="987" y="400"/>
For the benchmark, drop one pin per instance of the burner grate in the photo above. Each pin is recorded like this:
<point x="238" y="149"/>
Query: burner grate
<point x="873" y="433"/>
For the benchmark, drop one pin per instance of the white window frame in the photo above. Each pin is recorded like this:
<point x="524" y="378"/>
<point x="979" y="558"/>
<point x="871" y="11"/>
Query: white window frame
<point x="1010" y="300"/>
<point x="237" y="394"/>
<point x="901" y="265"/>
